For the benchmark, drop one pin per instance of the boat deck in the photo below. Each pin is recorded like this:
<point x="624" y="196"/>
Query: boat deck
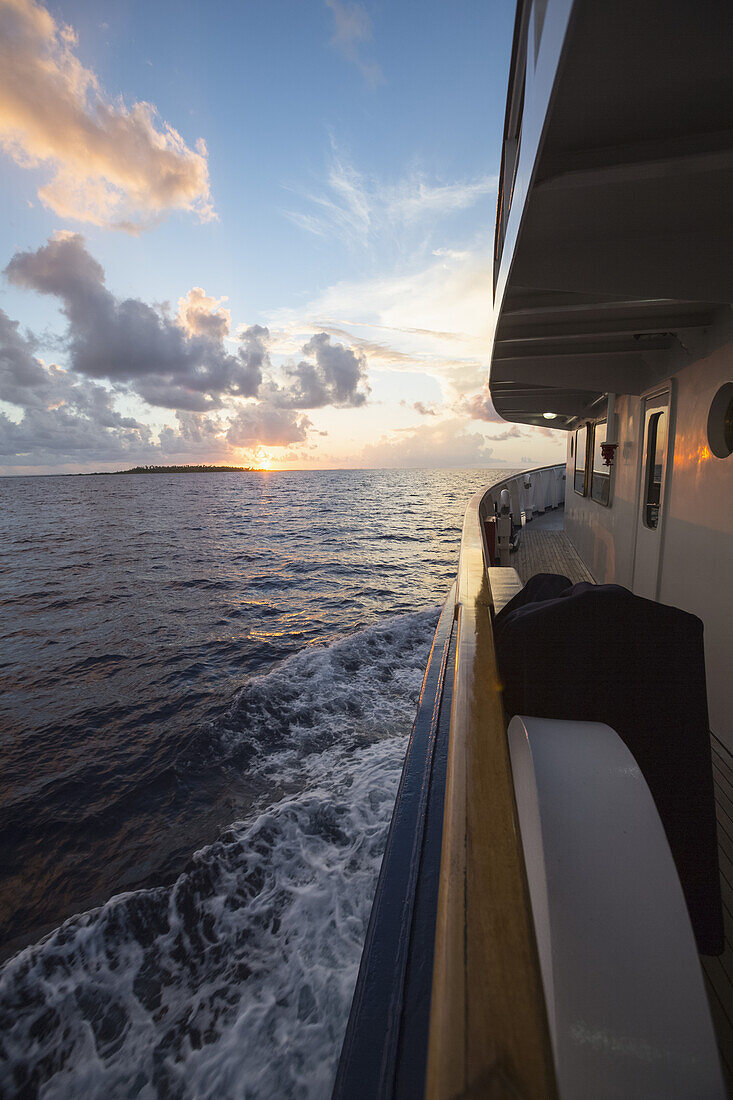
<point x="545" y="548"/>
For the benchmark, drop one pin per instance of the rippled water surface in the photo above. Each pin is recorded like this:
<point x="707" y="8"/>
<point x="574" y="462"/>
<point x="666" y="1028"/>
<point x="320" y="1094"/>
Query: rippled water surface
<point x="221" y="660"/>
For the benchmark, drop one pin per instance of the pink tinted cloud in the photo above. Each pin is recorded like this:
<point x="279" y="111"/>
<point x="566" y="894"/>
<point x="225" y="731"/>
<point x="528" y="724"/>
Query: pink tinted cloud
<point x="479" y="406"/>
<point x="110" y="165"/>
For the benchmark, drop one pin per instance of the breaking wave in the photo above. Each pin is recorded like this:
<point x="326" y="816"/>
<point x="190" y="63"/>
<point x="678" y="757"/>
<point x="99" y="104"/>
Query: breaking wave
<point x="237" y="980"/>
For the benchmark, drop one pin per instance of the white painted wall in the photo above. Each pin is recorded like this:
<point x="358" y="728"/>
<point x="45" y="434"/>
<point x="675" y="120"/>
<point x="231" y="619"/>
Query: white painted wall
<point x="604" y="536"/>
<point x="697" y="551"/>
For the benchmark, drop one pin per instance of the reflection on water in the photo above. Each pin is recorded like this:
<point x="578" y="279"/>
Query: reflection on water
<point x="183" y="653"/>
<point x="133" y="608"/>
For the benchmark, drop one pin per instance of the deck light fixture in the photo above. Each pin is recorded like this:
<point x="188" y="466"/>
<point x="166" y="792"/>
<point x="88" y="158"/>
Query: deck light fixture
<point x="549" y="416"/>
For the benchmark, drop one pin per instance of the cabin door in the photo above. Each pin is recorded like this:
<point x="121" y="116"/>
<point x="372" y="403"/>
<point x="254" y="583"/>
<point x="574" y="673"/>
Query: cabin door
<point x="655" y="454"/>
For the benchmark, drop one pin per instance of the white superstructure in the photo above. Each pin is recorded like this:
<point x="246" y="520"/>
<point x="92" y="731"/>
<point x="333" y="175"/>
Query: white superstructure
<point x="613" y="290"/>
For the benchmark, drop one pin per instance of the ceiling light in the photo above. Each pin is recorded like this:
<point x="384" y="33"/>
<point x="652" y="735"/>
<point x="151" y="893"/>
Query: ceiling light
<point x="549" y="416"/>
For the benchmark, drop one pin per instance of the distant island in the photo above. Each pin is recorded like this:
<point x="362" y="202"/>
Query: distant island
<point x="180" y="470"/>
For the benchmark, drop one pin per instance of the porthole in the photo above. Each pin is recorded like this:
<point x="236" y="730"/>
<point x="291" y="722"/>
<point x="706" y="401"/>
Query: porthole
<point x="720" y="422"/>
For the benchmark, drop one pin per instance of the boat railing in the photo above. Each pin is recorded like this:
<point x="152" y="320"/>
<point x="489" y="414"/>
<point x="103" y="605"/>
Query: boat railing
<point x="531" y="492"/>
<point x="489" y="1030"/>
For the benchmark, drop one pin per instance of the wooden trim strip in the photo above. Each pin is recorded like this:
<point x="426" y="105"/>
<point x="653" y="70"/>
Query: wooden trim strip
<point x="488" y="1025"/>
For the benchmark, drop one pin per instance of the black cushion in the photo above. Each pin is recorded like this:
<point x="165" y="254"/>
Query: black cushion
<point x="598" y="653"/>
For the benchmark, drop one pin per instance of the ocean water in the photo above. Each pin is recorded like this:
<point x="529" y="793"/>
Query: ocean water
<point x="208" y="681"/>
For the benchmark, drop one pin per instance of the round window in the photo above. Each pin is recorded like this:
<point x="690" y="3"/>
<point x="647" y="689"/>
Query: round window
<point x="720" y="422"/>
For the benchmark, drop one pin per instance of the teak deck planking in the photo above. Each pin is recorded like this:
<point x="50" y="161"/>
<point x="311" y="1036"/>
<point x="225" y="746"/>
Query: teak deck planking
<point x="545" y="548"/>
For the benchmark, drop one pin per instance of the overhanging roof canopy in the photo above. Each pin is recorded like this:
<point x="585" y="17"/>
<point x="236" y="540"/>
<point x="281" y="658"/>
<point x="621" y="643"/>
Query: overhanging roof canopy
<point x="620" y="256"/>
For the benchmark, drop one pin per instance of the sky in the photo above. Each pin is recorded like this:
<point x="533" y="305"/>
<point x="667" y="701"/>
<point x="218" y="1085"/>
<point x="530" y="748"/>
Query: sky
<point x="252" y="234"/>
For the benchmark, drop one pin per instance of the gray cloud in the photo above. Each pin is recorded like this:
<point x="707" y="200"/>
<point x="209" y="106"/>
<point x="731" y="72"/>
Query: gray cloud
<point x="333" y="379"/>
<point x="115" y="347"/>
<point x="68" y="433"/>
<point x="267" y="425"/>
<point x="64" y="416"/>
<point x="68" y="418"/>
<point x="195" y="435"/>
<point x="127" y="340"/>
<point x="372" y="348"/>
<point x="29" y="383"/>
<point x="424" y="409"/>
<point x="22" y="377"/>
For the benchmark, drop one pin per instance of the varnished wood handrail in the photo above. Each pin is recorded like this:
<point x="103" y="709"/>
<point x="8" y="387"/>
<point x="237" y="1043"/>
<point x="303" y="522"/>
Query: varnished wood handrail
<point x="488" y="1024"/>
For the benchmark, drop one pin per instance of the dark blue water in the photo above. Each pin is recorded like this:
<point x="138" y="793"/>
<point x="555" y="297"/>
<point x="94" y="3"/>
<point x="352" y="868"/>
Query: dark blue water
<point x="180" y="653"/>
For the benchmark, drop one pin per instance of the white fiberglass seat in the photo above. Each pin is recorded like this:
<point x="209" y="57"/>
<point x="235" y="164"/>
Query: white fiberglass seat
<point x="627" y="1008"/>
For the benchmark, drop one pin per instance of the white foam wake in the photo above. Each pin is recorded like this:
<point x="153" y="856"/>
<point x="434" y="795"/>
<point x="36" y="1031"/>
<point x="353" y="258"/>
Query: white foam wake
<point x="237" y="980"/>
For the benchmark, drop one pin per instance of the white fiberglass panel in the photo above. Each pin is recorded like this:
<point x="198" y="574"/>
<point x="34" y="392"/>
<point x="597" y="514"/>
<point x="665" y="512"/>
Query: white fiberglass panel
<point x="626" y="1003"/>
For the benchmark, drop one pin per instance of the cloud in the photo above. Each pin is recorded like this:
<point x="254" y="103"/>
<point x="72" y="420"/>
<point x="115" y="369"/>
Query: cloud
<point x="414" y="198"/>
<point x="345" y="211"/>
<point x="110" y="165"/>
<point x="424" y="409"/>
<point x="65" y="433"/>
<point x="126" y="349"/>
<point x="73" y="432"/>
<point x="442" y="309"/>
<point x="63" y="416"/>
<point x="435" y="445"/>
<point x="333" y="379"/>
<point x="196" y="434"/>
<point x="557" y="436"/>
<point x="371" y="349"/>
<point x="200" y="315"/>
<point x="353" y="30"/>
<point x="510" y="433"/>
<point x="128" y="341"/>
<point x="68" y="418"/>
<point x="23" y="378"/>
<point x="365" y="212"/>
<point x="438" y="319"/>
<point x="26" y="381"/>
<point x="480" y="407"/>
<point x="268" y="426"/>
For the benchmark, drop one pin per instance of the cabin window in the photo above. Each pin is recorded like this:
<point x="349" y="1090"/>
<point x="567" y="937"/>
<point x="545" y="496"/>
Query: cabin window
<point x="656" y="444"/>
<point x="600" y="484"/>
<point x="581" y="461"/>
